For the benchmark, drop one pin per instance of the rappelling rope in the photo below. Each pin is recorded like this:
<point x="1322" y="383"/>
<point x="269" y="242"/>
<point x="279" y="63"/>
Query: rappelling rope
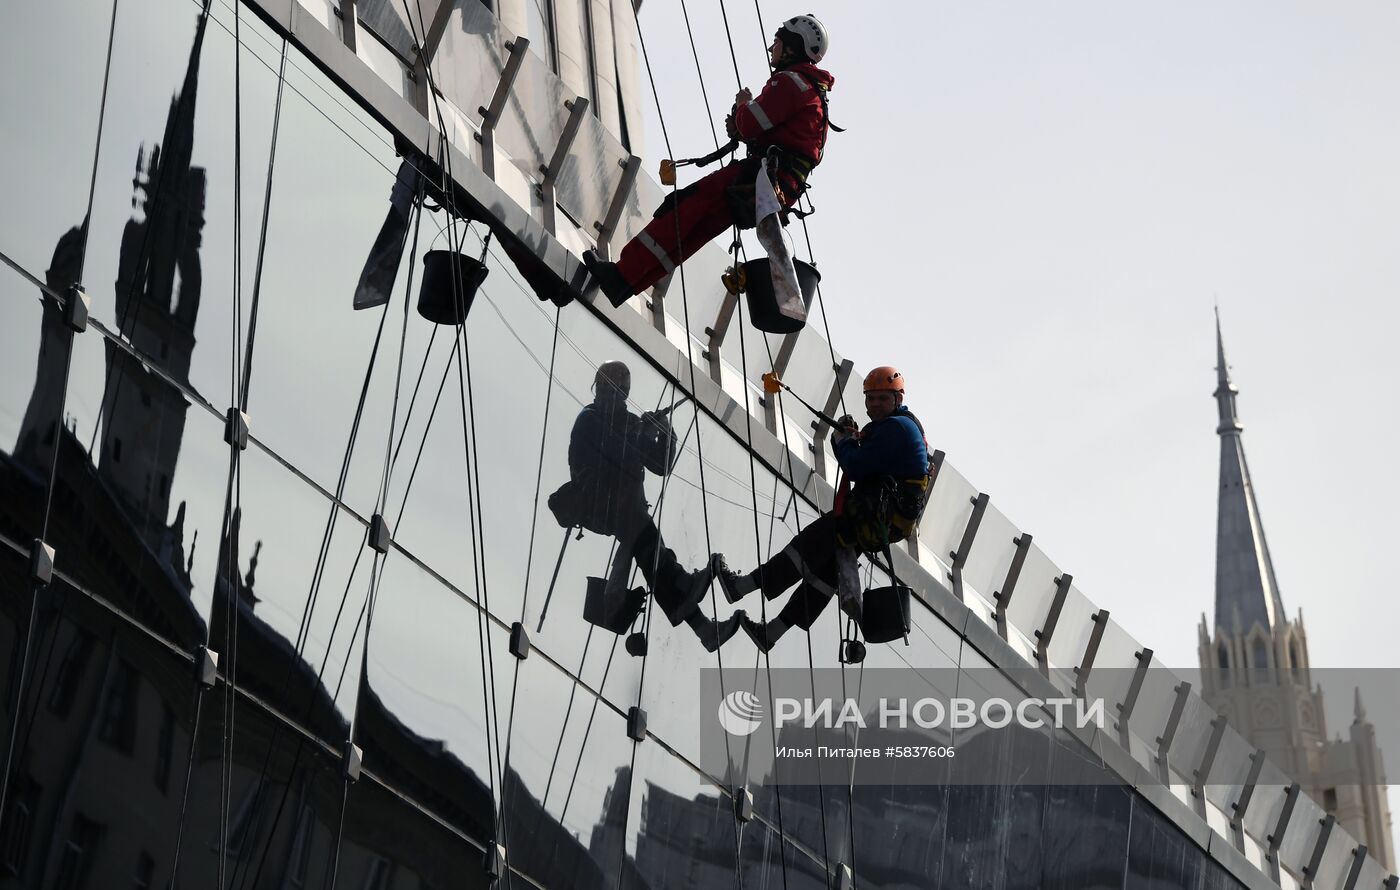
<point x="690" y="362"/>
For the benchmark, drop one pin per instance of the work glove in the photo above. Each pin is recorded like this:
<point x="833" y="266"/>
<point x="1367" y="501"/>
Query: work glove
<point x="730" y="128"/>
<point x="656" y="421"/>
<point x="846" y="428"/>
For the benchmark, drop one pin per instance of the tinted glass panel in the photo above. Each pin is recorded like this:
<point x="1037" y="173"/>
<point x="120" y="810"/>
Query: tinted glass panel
<point x="47" y="144"/>
<point x="284" y="801"/>
<point x="162" y="246"/>
<point x="143" y="484"/>
<point x="35" y="347"/>
<point x="102" y="744"/>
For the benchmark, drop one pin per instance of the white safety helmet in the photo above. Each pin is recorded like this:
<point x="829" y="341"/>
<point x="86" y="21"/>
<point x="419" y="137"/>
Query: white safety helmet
<point x="812" y="33"/>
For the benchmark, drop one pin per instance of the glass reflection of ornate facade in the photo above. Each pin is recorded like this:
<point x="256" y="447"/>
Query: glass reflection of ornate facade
<point x="290" y="664"/>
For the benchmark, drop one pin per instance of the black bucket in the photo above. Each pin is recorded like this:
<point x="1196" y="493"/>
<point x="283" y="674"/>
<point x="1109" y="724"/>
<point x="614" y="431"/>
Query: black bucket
<point x="613" y="611"/>
<point x="439" y="296"/>
<point x="763" y="306"/>
<point x="885" y="614"/>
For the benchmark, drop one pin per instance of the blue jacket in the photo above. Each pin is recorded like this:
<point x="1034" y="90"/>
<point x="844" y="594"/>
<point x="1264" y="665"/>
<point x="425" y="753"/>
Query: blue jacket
<point x="890" y="447"/>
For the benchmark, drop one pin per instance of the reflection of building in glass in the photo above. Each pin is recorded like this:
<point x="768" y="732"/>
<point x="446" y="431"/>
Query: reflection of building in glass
<point x="1255" y="667"/>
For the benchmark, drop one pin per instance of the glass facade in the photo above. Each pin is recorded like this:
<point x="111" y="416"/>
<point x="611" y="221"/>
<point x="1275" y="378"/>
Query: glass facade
<point x="290" y="665"/>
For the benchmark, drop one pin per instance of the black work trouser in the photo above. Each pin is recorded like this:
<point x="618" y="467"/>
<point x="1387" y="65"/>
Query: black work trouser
<point x="809" y="560"/>
<point x="639" y="541"/>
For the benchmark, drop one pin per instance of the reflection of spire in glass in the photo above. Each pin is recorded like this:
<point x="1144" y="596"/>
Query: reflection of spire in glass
<point x="144" y="420"/>
<point x="1246" y="591"/>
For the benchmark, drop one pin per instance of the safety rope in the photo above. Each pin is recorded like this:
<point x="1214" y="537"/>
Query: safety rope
<point x="782" y="423"/>
<point x="530" y="548"/>
<point x="831" y="350"/>
<point x="699" y="440"/>
<point x="473" y="468"/>
<point x="234" y="498"/>
<point x="318" y="572"/>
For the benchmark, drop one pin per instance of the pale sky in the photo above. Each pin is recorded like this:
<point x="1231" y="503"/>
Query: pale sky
<point x="1046" y="200"/>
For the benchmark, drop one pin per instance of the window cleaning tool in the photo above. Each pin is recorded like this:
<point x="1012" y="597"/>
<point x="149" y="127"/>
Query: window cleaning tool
<point x="668" y="166"/>
<point x="772" y="385"/>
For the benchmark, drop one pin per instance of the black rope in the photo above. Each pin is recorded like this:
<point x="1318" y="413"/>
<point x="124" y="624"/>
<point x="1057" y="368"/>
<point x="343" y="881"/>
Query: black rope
<point x="690" y="361"/>
<point x="781" y="414"/>
<point x="530" y="548"/>
<point x="262" y="232"/>
<point x="303" y="631"/>
<point x="473" y="468"/>
<point x="233" y="503"/>
<point x="539" y="469"/>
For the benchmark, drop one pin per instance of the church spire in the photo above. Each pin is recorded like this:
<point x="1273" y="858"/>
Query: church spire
<point x="1225" y="391"/>
<point x="1246" y="591"/>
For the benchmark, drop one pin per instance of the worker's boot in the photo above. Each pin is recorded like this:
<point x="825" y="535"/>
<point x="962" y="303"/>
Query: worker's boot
<point x="734" y="585"/>
<point x="680" y="593"/>
<point x="607" y="278"/>
<point x="713" y="634"/>
<point x="764" y="633"/>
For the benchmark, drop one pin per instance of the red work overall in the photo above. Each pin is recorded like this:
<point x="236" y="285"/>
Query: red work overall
<point x="789" y="114"/>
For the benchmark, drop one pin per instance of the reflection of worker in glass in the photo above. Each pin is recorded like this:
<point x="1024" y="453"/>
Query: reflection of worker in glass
<point x="888" y="463"/>
<point x="610" y="450"/>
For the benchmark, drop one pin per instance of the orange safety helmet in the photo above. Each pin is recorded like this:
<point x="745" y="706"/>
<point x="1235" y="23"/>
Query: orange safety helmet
<point x="884" y="378"/>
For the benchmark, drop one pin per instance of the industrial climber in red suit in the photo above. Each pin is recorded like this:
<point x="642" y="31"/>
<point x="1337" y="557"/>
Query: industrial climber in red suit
<point x="787" y="123"/>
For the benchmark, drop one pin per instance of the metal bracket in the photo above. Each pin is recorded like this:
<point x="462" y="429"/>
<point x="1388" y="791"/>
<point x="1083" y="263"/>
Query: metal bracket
<point x="974" y="522"/>
<point x="656" y="302"/>
<point x="607" y="227"/>
<point x="1241" y="806"/>
<point x="780" y="365"/>
<point x="1164" y="741"/>
<point x="1319" y="848"/>
<point x="41" y="558"/>
<point x="958" y="557"/>
<point x="717" y="332"/>
<point x="492" y="115"/>
<point x="833" y="397"/>
<point x="1057" y="605"/>
<point x="354" y="760"/>
<point x="1002" y="597"/>
<point x="348" y="25"/>
<point x="495" y="860"/>
<point x="1091" y="651"/>
<point x="76" y="307"/>
<point x="236" y="429"/>
<point x="519" y="641"/>
<point x="743" y="805"/>
<point x="1217" y="732"/>
<point x="1125" y="710"/>
<point x="833" y="402"/>
<point x="1290" y="800"/>
<point x="207" y="667"/>
<point x="432" y="34"/>
<point x="577" y="109"/>
<point x="424" y="54"/>
<point x="380" y="538"/>
<point x="1358" y="862"/>
<point x="636" y="724"/>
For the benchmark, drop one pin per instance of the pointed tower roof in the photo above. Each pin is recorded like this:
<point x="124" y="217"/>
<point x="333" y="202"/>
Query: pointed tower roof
<point x="1246" y="590"/>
